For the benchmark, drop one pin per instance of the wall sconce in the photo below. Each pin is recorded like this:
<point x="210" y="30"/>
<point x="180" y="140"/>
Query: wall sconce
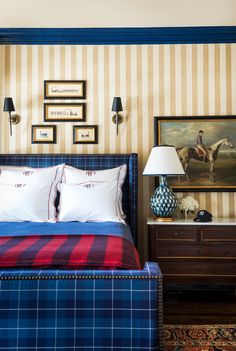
<point x="9" y="107"/>
<point x="117" y="107"/>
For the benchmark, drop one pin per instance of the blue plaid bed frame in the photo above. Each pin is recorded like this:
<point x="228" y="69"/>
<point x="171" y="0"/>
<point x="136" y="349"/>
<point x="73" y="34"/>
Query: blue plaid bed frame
<point x="52" y="310"/>
<point x="78" y="310"/>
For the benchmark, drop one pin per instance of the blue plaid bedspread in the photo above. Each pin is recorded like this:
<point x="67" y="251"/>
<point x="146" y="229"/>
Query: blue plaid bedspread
<point x="81" y="310"/>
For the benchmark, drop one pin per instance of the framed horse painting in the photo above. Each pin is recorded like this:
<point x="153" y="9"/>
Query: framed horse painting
<point x="206" y="147"/>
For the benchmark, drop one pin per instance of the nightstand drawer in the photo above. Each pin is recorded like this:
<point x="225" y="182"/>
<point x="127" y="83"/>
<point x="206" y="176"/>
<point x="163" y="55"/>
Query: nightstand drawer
<point x="176" y="233"/>
<point x="195" y="250"/>
<point x="191" y="267"/>
<point x="219" y="233"/>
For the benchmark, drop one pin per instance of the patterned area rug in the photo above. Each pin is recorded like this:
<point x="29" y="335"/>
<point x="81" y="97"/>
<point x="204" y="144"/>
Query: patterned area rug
<point x="199" y="338"/>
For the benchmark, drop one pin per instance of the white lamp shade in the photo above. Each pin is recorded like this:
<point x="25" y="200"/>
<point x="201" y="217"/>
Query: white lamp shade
<point x="163" y="160"/>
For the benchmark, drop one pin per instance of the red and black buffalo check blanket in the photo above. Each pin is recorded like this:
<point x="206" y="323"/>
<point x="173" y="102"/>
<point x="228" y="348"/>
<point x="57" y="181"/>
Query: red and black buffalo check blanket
<point x="66" y="251"/>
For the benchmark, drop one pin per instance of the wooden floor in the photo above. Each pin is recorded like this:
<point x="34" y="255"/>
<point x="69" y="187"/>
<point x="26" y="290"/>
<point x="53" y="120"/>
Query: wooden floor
<point x="202" y="306"/>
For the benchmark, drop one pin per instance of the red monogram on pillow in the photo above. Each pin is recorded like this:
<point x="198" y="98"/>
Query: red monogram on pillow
<point x="19" y="185"/>
<point x="88" y="186"/>
<point x="27" y="173"/>
<point x="90" y="173"/>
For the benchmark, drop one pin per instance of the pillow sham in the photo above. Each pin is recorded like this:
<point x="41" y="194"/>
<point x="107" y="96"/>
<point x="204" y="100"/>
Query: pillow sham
<point x="117" y="175"/>
<point x="89" y="202"/>
<point x="30" y="175"/>
<point x="72" y="175"/>
<point x="38" y="176"/>
<point x="26" y="202"/>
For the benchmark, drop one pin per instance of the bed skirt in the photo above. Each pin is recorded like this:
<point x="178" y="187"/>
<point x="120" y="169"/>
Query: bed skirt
<point x="81" y="310"/>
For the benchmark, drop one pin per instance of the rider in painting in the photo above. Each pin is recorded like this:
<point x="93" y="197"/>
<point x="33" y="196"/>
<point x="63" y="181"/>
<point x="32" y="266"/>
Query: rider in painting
<point x="201" y="146"/>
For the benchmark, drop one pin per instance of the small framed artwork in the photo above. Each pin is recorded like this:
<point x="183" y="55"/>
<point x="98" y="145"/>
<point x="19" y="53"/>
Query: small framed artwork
<point x="85" y="134"/>
<point x="43" y="134"/>
<point x="206" y="146"/>
<point x="64" y="89"/>
<point x="64" y="112"/>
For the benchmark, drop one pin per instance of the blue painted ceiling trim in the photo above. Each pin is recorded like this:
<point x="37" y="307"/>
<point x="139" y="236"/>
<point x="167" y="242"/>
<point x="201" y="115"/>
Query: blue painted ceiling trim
<point x="127" y="36"/>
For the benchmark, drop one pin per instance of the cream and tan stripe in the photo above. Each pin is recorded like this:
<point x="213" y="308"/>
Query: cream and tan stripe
<point x="194" y="81"/>
<point x="159" y="80"/>
<point x="212" y="80"/>
<point x="5" y="136"/>
<point x="46" y="75"/>
<point x="128" y="97"/>
<point x="35" y="91"/>
<point x="123" y="94"/>
<point x="26" y="116"/>
<point x="200" y="80"/>
<point x="189" y="80"/>
<point x="13" y="82"/>
<point x="183" y="80"/>
<point x="41" y="78"/>
<point x="222" y="75"/>
<point x="206" y="79"/>
<point x="217" y="79"/>
<point x="229" y="79"/>
<point x="111" y="133"/>
<point x="2" y="93"/>
<point x="178" y="80"/>
<point x="167" y="90"/>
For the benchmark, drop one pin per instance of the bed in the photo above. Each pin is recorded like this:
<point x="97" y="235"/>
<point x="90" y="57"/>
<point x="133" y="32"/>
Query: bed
<point x="82" y="309"/>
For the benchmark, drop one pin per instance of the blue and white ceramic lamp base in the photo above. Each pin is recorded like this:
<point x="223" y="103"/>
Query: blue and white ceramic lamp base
<point x="163" y="202"/>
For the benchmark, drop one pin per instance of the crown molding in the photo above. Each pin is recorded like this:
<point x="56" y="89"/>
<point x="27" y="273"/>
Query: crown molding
<point x="117" y="36"/>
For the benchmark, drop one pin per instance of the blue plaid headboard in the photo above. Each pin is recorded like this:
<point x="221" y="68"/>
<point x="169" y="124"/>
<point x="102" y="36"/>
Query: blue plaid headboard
<point x="90" y="162"/>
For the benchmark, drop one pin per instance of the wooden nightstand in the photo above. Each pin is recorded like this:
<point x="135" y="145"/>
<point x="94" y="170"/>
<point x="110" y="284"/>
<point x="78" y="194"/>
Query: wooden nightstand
<point x="194" y="253"/>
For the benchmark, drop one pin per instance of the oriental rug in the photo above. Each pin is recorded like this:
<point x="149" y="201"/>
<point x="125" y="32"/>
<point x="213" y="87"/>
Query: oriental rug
<point x="199" y="337"/>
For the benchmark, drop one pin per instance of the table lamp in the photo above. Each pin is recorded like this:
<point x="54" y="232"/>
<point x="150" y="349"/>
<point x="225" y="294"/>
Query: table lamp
<point x="163" y="161"/>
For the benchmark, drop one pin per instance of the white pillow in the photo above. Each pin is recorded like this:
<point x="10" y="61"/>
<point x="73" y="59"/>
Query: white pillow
<point x="50" y="176"/>
<point x="26" y="202"/>
<point x="73" y="175"/>
<point x="89" y="201"/>
<point x="30" y="175"/>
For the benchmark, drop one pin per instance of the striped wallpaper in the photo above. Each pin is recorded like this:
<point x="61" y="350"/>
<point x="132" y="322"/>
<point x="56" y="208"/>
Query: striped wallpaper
<point x="162" y="80"/>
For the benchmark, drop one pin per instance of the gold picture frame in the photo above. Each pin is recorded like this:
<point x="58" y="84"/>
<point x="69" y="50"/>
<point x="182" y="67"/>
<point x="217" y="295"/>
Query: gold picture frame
<point x="214" y="171"/>
<point x="64" y="112"/>
<point x="85" y="134"/>
<point x="64" y="89"/>
<point x="43" y="134"/>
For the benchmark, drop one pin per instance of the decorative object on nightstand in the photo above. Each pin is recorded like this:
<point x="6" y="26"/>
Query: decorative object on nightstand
<point x="163" y="160"/>
<point x="117" y="107"/>
<point x="9" y="107"/>
<point x="203" y="216"/>
<point x="188" y="204"/>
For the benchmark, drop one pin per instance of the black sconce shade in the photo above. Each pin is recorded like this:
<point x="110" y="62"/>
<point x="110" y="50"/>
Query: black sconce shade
<point x="117" y="105"/>
<point x="8" y="105"/>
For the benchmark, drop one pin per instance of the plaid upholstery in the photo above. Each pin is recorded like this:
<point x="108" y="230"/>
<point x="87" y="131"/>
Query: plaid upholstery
<point x="97" y="162"/>
<point x="68" y="251"/>
<point x="81" y="310"/>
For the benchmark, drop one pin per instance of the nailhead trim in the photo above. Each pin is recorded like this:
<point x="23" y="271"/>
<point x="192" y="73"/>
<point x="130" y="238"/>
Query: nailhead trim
<point x="79" y="277"/>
